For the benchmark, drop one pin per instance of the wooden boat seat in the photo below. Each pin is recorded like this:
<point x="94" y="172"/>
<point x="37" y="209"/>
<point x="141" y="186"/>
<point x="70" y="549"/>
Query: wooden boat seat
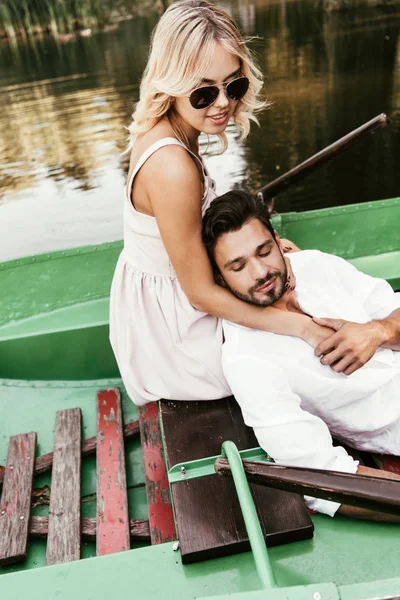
<point x="64" y="527"/>
<point x="208" y="516"/>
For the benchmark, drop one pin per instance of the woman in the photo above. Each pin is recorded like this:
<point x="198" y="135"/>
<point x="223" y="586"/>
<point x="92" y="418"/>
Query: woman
<point x="165" y="325"/>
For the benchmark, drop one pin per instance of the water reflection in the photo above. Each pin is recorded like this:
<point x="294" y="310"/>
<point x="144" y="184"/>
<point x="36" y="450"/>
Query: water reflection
<point x="328" y="75"/>
<point x="65" y="106"/>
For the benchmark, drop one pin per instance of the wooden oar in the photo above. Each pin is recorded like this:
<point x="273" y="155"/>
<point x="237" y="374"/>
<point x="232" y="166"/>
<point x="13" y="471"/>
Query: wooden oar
<point x="297" y="173"/>
<point x="373" y="493"/>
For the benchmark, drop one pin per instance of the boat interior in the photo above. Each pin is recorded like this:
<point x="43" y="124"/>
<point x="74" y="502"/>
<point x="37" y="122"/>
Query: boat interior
<point x="55" y="358"/>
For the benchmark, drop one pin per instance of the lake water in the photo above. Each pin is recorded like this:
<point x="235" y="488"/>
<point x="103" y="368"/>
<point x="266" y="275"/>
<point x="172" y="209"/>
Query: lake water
<point x="64" y="107"/>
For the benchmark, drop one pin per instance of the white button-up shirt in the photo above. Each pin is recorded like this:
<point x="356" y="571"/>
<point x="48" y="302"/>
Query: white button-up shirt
<point x="293" y="402"/>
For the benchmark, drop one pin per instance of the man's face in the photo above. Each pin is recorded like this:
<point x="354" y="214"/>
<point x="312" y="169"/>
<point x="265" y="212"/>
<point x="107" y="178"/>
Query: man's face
<point x="251" y="264"/>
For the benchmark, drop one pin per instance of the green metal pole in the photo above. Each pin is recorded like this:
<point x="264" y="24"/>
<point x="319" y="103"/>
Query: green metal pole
<point x="250" y="516"/>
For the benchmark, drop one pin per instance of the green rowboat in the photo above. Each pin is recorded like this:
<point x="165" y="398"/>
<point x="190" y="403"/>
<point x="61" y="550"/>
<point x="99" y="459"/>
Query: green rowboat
<point x="55" y="355"/>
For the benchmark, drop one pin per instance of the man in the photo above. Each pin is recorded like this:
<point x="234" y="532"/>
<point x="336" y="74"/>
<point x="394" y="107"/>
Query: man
<point x="293" y="397"/>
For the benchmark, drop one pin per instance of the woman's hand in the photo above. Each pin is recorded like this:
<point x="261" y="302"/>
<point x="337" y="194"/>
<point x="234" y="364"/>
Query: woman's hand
<point x="350" y="347"/>
<point x="291" y="279"/>
<point x="287" y="246"/>
<point x="315" y="334"/>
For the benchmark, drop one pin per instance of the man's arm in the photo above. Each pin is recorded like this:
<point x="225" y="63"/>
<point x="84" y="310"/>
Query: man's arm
<point x="291" y="435"/>
<point x="370" y="515"/>
<point x="354" y="344"/>
<point x="391" y="330"/>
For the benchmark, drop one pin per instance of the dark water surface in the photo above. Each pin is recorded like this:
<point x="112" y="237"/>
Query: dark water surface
<point x="64" y="107"/>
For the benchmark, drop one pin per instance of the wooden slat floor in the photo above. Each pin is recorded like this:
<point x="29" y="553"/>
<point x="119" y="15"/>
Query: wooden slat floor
<point x="64" y="528"/>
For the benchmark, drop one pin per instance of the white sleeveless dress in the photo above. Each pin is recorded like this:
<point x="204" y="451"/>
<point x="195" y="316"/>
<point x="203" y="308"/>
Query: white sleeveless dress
<point x="164" y="347"/>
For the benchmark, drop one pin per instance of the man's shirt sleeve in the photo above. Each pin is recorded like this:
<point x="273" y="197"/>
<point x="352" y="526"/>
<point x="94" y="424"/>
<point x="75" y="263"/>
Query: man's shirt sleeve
<point x="375" y="294"/>
<point x="289" y="434"/>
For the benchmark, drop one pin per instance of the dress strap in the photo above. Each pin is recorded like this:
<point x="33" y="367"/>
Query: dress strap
<point x="168" y="141"/>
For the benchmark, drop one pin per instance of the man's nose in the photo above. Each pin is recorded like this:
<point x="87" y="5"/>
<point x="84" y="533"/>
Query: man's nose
<point x="257" y="270"/>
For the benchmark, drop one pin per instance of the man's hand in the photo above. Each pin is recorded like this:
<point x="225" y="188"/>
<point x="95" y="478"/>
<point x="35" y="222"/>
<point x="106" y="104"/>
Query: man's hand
<point x="351" y="346"/>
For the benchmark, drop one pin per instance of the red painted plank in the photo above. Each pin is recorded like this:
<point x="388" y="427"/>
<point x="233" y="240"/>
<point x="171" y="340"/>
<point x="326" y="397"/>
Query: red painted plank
<point x="112" y="499"/>
<point x="15" y="501"/>
<point x="161" y="518"/>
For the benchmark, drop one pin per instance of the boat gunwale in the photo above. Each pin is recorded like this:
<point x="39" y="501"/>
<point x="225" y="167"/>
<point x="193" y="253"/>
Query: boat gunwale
<point x="60" y="254"/>
<point x="118" y="244"/>
<point x="335" y="210"/>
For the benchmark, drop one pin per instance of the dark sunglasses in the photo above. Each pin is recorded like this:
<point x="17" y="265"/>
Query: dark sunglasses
<point x="204" y="97"/>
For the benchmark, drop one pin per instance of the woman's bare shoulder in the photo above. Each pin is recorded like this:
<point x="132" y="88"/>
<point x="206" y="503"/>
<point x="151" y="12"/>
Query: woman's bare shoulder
<point x="168" y="173"/>
<point x="161" y="130"/>
<point x="166" y="157"/>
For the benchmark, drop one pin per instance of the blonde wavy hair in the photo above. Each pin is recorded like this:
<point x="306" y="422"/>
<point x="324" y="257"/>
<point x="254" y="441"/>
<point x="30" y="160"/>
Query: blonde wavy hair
<point x="181" y="51"/>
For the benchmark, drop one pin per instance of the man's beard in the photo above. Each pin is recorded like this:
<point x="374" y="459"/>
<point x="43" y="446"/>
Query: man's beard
<point x="269" y="297"/>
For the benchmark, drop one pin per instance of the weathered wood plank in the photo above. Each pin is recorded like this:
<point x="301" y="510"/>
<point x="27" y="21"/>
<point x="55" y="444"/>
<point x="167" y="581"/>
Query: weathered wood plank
<point x="138" y="528"/>
<point x="45" y="462"/>
<point x="64" y="538"/>
<point x="112" y="498"/>
<point x="161" y="517"/>
<point x="208" y="515"/>
<point x="15" y="500"/>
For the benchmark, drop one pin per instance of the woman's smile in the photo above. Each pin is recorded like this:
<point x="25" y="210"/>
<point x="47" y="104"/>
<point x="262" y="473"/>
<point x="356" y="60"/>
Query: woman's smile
<point x="220" y="118"/>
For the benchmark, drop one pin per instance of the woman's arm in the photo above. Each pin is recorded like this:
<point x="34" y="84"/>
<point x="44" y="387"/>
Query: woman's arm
<point x="175" y="190"/>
